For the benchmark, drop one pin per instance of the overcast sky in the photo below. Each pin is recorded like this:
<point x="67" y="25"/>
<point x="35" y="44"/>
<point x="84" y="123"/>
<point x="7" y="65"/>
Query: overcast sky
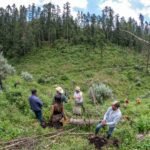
<point x="124" y="8"/>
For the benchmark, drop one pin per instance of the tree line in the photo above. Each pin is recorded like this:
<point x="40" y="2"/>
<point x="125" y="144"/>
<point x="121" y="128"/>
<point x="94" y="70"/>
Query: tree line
<point x="23" y="28"/>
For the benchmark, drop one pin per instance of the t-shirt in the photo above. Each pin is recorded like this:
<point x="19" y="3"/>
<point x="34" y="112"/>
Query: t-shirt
<point x="78" y="96"/>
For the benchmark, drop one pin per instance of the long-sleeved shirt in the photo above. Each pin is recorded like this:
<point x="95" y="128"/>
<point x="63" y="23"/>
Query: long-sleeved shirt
<point x="63" y="98"/>
<point x="35" y="103"/>
<point x="112" y="117"/>
<point x="78" y="97"/>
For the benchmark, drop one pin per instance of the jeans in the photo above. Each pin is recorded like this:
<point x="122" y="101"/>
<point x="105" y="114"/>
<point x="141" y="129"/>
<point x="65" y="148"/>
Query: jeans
<point x="109" y="132"/>
<point x="38" y="115"/>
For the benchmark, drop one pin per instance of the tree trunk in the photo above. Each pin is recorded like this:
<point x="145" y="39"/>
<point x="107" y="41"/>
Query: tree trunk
<point x="1" y="84"/>
<point x="83" y="121"/>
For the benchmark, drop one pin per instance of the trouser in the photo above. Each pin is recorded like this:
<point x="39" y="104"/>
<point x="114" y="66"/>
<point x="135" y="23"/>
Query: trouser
<point x="81" y="104"/>
<point x="38" y="115"/>
<point x="109" y="132"/>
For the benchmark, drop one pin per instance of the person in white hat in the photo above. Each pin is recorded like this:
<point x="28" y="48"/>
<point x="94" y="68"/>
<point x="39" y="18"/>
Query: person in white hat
<point x="78" y="97"/>
<point x="60" y="93"/>
<point x="111" y="118"/>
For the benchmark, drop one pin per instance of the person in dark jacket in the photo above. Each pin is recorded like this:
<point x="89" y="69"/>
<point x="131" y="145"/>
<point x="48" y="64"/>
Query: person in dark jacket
<point x="60" y="93"/>
<point x="36" y="105"/>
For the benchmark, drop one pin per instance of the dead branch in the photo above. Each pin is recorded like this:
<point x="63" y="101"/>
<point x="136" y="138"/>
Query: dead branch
<point x="140" y="39"/>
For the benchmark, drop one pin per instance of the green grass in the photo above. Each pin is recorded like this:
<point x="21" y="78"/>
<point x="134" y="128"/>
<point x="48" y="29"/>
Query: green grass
<point x="75" y="65"/>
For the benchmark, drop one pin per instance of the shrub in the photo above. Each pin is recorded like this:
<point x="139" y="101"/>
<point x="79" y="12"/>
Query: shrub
<point x="138" y="67"/>
<point x="143" y="124"/>
<point x="100" y="91"/>
<point x="5" y="69"/>
<point x="64" y="77"/>
<point x="26" y="76"/>
<point x="138" y="81"/>
<point x="47" y="80"/>
<point x="131" y="75"/>
<point x="143" y="145"/>
<point x="15" y="96"/>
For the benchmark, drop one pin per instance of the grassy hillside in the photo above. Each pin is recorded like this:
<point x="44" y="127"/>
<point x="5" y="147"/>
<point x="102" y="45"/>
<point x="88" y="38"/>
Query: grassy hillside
<point x="119" y="68"/>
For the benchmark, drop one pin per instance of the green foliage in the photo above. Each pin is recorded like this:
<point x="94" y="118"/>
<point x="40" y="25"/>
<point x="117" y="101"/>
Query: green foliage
<point x="143" y="124"/>
<point x="100" y="91"/>
<point x="142" y="145"/>
<point x="72" y="143"/>
<point x="5" y="68"/>
<point x="16" y="96"/>
<point x="26" y="76"/>
<point x="71" y="66"/>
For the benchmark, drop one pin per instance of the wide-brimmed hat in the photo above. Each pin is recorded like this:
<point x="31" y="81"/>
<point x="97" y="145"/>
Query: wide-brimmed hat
<point x="77" y="88"/>
<point x="60" y="90"/>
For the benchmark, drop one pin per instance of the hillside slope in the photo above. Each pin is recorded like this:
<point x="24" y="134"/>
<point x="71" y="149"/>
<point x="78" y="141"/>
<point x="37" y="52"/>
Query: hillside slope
<point x="120" y="68"/>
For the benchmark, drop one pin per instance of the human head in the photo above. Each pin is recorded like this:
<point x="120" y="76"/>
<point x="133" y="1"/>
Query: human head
<point x="115" y="105"/>
<point x="34" y="92"/>
<point x="59" y="90"/>
<point x="77" y="89"/>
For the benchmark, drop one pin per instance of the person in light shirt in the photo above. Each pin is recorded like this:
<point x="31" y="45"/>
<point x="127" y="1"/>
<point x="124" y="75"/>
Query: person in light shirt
<point x="78" y="97"/>
<point x="111" y="118"/>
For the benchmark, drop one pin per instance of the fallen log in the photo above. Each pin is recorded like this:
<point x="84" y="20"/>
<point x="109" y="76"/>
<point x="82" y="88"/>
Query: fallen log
<point x="83" y="121"/>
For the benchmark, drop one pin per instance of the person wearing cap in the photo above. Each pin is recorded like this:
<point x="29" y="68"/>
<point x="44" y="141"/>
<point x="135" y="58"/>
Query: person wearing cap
<point x="60" y="93"/>
<point x="78" y="97"/>
<point x="36" y="105"/>
<point x="111" y="118"/>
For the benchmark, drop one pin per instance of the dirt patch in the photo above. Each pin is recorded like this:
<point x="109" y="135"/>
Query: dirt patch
<point x="100" y="142"/>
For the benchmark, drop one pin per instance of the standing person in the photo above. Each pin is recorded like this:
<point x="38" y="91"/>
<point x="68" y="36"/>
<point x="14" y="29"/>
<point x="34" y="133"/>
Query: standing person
<point x="111" y="118"/>
<point x="78" y="97"/>
<point x="57" y="113"/>
<point x="60" y="93"/>
<point x="36" y="105"/>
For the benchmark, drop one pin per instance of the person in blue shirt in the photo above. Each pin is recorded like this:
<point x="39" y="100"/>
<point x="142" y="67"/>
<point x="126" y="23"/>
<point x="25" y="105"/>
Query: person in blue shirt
<point x="36" y="105"/>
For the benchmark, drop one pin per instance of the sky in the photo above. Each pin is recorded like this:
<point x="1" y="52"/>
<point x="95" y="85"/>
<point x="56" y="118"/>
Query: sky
<point x="126" y="8"/>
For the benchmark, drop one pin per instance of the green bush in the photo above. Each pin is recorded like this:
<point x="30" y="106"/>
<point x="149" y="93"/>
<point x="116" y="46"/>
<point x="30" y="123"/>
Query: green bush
<point x="138" y="81"/>
<point x="143" y="124"/>
<point x="15" y="96"/>
<point x="138" y="67"/>
<point x="45" y="80"/>
<point x="143" y="145"/>
<point x="100" y="91"/>
<point x="64" y="78"/>
<point x="26" y="76"/>
<point x="131" y="75"/>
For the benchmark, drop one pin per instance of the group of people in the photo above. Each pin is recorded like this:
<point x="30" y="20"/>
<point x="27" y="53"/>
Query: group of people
<point x="110" y="119"/>
<point x="57" y="105"/>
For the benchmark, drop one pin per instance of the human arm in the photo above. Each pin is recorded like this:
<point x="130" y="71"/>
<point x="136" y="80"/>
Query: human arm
<point x="64" y="99"/>
<point x="106" y="114"/>
<point x="39" y="102"/>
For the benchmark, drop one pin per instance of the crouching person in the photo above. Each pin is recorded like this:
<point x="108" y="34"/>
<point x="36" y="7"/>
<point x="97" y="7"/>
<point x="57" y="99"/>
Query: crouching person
<point x="111" y="118"/>
<point x="57" y="113"/>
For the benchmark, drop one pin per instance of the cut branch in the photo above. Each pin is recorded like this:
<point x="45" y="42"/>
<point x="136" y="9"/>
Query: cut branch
<point x="83" y="122"/>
